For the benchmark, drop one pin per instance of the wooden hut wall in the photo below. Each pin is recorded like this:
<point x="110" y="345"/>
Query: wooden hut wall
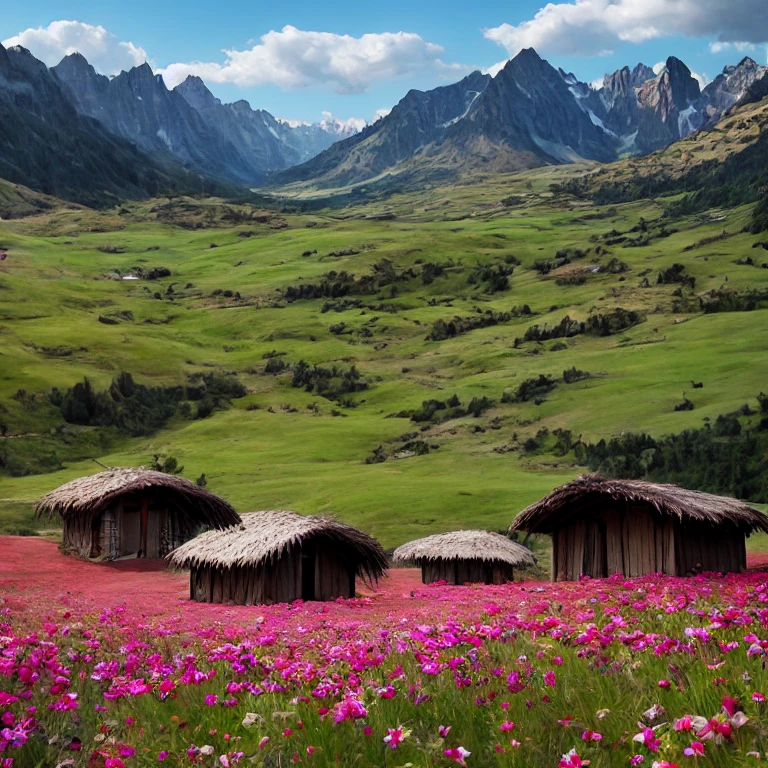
<point x="76" y="535"/>
<point x="276" y="582"/>
<point x="627" y="539"/>
<point x="702" y="547"/>
<point x="465" y="571"/>
<point x="333" y="577"/>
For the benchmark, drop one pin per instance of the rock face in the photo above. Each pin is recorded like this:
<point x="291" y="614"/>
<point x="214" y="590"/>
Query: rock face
<point x="189" y="123"/>
<point x="531" y="115"/>
<point x="269" y="143"/>
<point x="46" y="145"/>
<point x="419" y="119"/>
<point x="730" y="87"/>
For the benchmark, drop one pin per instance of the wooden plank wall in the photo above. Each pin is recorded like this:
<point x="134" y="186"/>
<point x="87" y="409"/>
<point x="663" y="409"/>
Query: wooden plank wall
<point x="276" y="582"/>
<point x="465" y="571"/>
<point x="700" y="547"/>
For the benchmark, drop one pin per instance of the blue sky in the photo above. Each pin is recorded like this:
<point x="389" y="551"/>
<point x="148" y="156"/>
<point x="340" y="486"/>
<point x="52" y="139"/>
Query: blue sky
<point x="347" y="57"/>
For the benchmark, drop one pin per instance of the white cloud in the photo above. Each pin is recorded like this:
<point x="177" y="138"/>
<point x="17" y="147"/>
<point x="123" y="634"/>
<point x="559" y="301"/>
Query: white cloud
<point x="60" y="38"/>
<point x="494" y="69"/>
<point x="738" y="45"/>
<point x="295" y="58"/>
<point x="594" y="27"/>
<point x="379" y="113"/>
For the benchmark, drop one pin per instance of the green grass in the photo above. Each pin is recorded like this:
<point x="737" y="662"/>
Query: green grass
<point x="53" y="289"/>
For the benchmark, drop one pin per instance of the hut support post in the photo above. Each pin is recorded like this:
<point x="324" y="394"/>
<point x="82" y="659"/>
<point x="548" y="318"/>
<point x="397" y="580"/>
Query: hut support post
<point x="144" y="527"/>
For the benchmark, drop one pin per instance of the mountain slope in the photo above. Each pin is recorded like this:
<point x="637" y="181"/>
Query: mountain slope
<point x="47" y="146"/>
<point x="267" y="143"/>
<point x="528" y="115"/>
<point x="189" y="124"/>
<point x="137" y="106"/>
<point x="419" y="119"/>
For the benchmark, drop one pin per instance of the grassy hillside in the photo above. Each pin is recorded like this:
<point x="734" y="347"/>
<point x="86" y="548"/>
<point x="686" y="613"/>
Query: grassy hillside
<point x="65" y="314"/>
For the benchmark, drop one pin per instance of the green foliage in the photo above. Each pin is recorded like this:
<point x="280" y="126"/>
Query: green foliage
<point x="448" y="329"/>
<point x="331" y="383"/>
<point x="725" y="459"/>
<point x="166" y="464"/>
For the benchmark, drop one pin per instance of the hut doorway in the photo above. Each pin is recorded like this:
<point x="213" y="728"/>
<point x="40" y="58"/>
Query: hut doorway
<point x="130" y="530"/>
<point x="142" y="526"/>
<point x="308" y="565"/>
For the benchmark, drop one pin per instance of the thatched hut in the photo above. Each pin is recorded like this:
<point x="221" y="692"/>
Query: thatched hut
<point x="600" y="527"/>
<point x="133" y="512"/>
<point x="465" y="556"/>
<point x="278" y="557"/>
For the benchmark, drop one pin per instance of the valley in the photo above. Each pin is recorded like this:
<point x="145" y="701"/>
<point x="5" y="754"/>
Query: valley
<point x="456" y="415"/>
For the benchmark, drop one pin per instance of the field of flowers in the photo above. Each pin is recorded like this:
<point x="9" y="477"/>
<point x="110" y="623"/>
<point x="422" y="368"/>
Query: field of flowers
<point x="108" y="667"/>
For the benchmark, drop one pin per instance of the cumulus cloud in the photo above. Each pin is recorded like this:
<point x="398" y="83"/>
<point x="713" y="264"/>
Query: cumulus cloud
<point x="60" y="38"/>
<point x="739" y="45"/>
<point x="594" y="27"/>
<point x="379" y="113"/>
<point x="295" y="58"/>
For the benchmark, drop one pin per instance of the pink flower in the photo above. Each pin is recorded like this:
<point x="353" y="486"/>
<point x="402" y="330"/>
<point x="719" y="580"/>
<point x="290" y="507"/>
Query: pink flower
<point x="114" y="762"/>
<point x="757" y="696"/>
<point x="161" y="756"/>
<point x="572" y="760"/>
<point x="457" y="754"/>
<point x="211" y="699"/>
<point x="636" y="760"/>
<point x="310" y="751"/>
<point x="647" y="737"/>
<point x="507" y="725"/>
<point x="684" y="723"/>
<point x="550" y="679"/>
<point x="443" y="730"/>
<point x="368" y="731"/>
<point x="394" y="737"/>
<point x="264" y="741"/>
<point x="591" y="736"/>
<point x="664" y="764"/>
<point x="664" y="684"/>
<point x="695" y="750"/>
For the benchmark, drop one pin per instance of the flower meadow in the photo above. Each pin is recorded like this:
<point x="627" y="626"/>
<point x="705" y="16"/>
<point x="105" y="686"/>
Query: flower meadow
<point x="655" y="671"/>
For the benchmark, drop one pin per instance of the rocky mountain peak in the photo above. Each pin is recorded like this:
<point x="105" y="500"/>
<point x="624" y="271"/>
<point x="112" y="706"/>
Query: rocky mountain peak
<point x="196" y="93"/>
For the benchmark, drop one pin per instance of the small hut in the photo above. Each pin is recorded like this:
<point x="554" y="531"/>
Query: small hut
<point x="465" y="556"/>
<point x="600" y="527"/>
<point x="278" y="557"/>
<point x="133" y="513"/>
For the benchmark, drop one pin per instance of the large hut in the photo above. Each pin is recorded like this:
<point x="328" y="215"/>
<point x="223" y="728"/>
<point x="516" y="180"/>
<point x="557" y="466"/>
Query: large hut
<point x="278" y="557"/>
<point x="600" y="527"/>
<point x="465" y="556"/>
<point x="133" y="513"/>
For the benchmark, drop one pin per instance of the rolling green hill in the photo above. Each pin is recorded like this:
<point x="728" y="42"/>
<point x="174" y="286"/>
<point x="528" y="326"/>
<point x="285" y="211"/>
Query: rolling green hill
<point x="377" y="287"/>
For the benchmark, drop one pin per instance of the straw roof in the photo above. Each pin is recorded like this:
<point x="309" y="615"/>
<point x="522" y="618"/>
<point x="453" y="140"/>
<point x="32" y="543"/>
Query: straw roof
<point x="577" y="496"/>
<point x="264" y="536"/>
<point x="89" y="495"/>
<point x="465" y="545"/>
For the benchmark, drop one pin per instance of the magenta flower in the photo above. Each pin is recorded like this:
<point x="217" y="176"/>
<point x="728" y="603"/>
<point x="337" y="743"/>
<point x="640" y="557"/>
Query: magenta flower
<point x="443" y="730"/>
<point x="572" y="760"/>
<point x="457" y="754"/>
<point x="695" y="750"/>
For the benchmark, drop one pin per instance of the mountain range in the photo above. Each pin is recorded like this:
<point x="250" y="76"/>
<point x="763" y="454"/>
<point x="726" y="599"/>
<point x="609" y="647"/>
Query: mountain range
<point x="531" y="114"/>
<point x="72" y="132"/>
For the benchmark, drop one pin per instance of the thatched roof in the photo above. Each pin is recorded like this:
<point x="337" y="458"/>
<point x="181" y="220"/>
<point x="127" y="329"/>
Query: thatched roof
<point x="263" y="536"/>
<point x="89" y="495"/>
<point x="465" y="545"/>
<point x="579" y="495"/>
